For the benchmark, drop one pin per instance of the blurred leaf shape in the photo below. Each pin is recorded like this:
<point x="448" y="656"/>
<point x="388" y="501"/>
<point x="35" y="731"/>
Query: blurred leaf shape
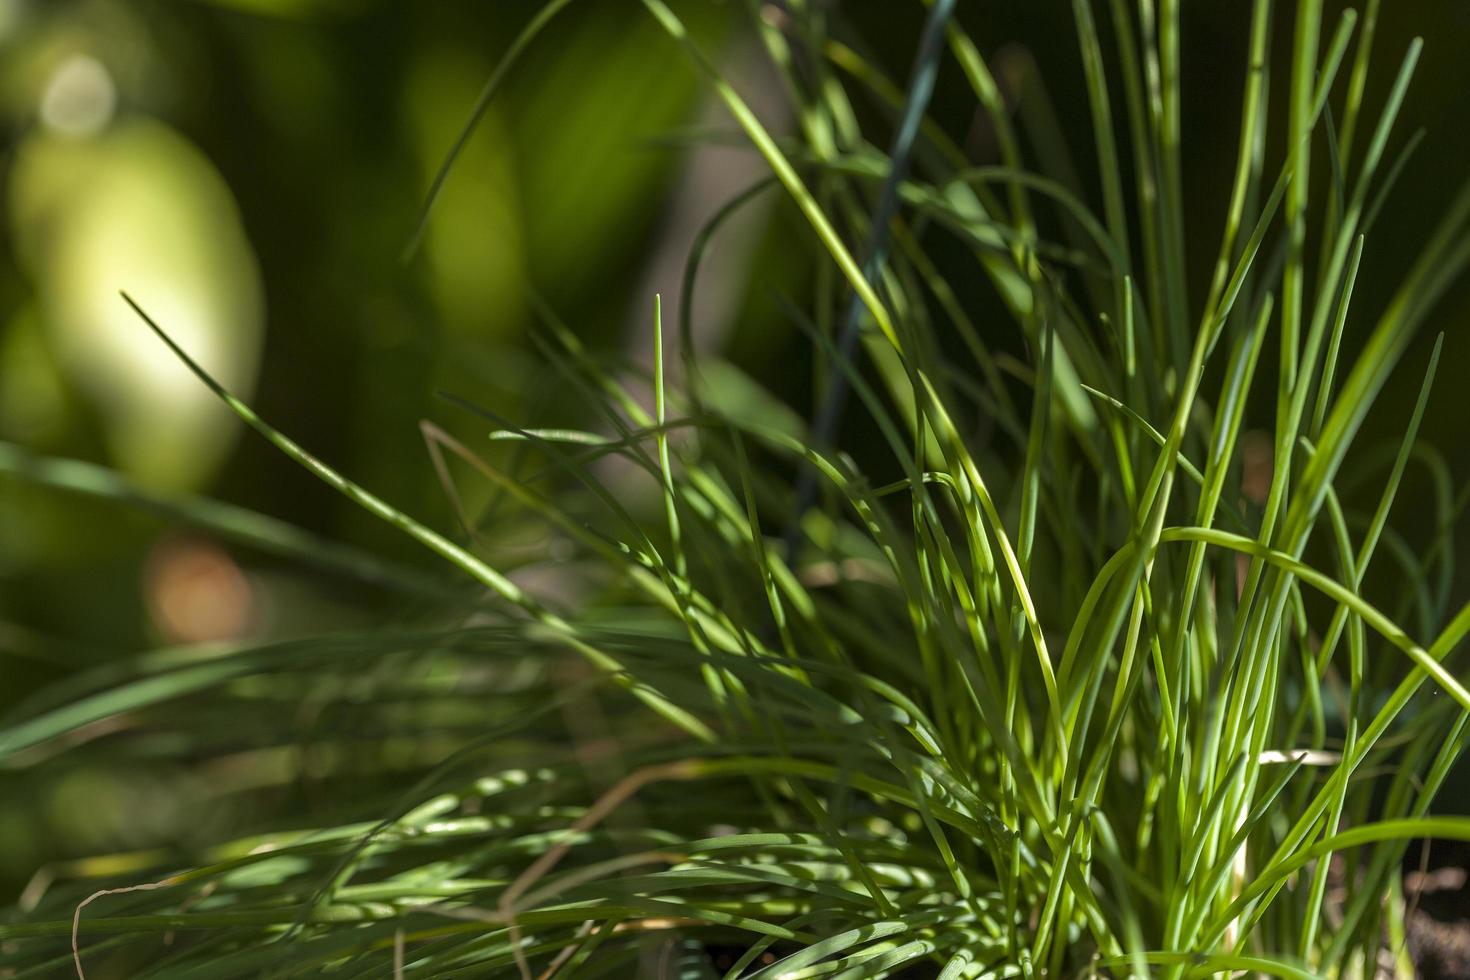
<point x="732" y="393"/>
<point x="140" y="208"/>
<point x="591" y="109"/>
<point x="474" y="243"/>
<point x="292" y="9"/>
<point x="33" y="398"/>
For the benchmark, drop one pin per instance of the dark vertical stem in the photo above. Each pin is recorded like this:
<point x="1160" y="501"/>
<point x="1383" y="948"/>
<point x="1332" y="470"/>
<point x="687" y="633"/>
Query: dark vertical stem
<point x="875" y="250"/>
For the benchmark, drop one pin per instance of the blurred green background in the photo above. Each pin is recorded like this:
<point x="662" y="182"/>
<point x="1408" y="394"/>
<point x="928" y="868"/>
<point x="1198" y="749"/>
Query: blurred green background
<point x="252" y="171"/>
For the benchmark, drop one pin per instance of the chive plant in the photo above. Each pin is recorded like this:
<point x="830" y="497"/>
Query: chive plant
<point x="1061" y="700"/>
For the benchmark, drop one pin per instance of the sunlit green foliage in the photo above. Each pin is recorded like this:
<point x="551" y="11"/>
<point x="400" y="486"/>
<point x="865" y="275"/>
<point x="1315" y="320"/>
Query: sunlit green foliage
<point x="1046" y="687"/>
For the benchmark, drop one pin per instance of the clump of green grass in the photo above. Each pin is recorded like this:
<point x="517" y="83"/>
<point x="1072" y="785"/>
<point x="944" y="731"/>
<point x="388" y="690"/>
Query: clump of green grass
<point x="1060" y="702"/>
